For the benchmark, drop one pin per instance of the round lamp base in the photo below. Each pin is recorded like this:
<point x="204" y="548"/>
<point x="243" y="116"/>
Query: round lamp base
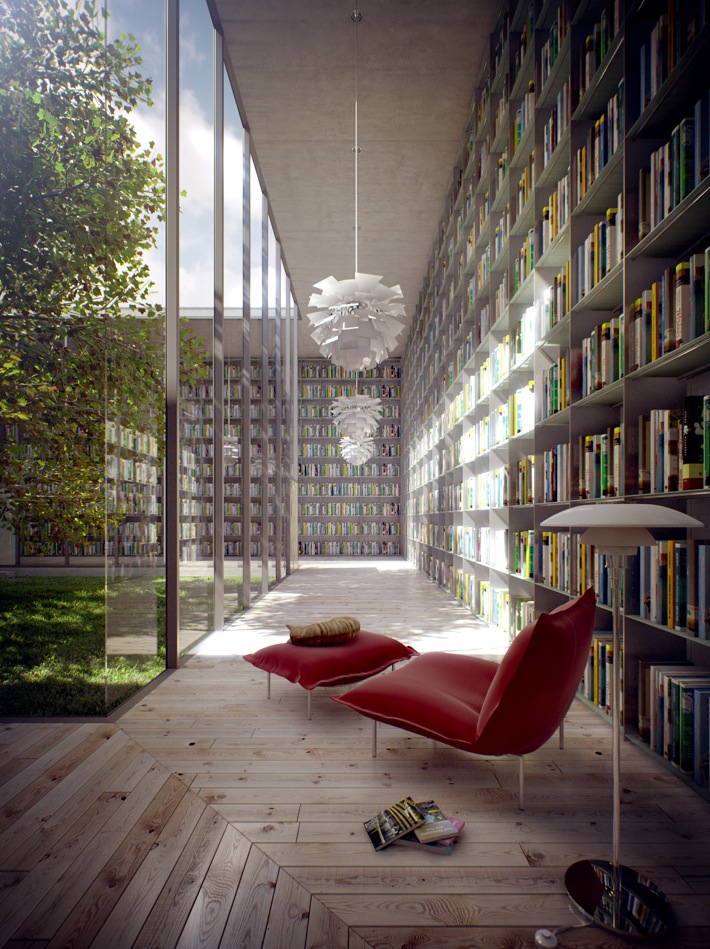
<point x="637" y="910"/>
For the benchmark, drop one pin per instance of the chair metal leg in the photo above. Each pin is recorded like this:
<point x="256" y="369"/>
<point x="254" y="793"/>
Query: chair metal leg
<point x="561" y="733"/>
<point x="374" y="738"/>
<point x="521" y="783"/>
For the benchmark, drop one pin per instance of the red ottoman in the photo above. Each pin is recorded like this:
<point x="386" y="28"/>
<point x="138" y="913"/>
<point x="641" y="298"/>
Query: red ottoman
<point x="310" y="666"/>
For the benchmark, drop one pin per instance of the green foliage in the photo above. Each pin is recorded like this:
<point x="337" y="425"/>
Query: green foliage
<point x="53" y="639"/>
<point x="81" y="201"/>
<point x="80" y="198"/>
<point x="52" y="647"/>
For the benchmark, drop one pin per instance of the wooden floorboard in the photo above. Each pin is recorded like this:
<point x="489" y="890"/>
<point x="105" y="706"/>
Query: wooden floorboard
<point x="206" y="816"/>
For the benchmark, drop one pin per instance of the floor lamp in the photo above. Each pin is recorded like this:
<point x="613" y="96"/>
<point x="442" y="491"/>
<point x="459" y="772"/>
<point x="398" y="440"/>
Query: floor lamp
<point x="614" y="896"/>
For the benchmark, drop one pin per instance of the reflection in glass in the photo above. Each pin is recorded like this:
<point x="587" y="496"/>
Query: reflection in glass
<point x="80" y="441"/>
<point x="233" y="348"/>
<point x="134" y="354"/>
<point x="197" y="311"/>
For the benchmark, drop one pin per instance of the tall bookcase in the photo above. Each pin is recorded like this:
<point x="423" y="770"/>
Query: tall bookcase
<point x="558" y="349"/>
<point x="344" y="509"/>
<point x="198" y="471"/>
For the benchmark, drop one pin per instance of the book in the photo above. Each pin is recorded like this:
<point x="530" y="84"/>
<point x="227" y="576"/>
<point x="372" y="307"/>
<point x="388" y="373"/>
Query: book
<point x="701" y="737"/>
<point x="692" y="443"/>
<point x="703" y="582"/>
<point x="436" y="825"/>
<point x="441" y="829"/>
<point x="445" y="846"/>
<point x="697" y="296"/>
<point x="657" y="692"/>
<point x="393" y="822"/>
<point x="644" y="700"/>
<point x="684" y="727"/>
<point x="682" y="303"/>
<point x="675" y="683"/>
<point x="686" y="157"/>
<point x="680" y="588"/>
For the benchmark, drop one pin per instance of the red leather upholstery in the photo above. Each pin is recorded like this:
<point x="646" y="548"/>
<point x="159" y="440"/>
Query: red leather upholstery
<point x="482" y="706"/>
<point x="311" y="666"/>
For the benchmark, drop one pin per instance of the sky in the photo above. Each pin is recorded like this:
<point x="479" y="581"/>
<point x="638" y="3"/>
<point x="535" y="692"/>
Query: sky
<point x="145" y="20"/>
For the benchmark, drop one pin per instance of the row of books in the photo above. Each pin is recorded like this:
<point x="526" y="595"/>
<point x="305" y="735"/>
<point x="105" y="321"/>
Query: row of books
<point x="422" y="825"/>
<point x="669" y="38"/>
<point x="330" y="548"/>
<point x="308" y="411"/>
<point x="558" y="121"/>
<point x="347" y="528"/>
<point x="603" y="139"/>
<point x="524" y="187"/>
<point x="674" y="447"/>
<point x="601" y="464"/>
<point x="672" y="312"/>
<point x="327" y="370"/>
<point x="556" y="300"/>
<point x="603" y="355"/>
<point x="600" y="252"/>
<point x="555" y="473"/>
<point x="676" y="168"/>
<point x="673" y="714"/>
<point x="348" y="489"/>
<point x="555" y="213"/>
<point x="597" y="44"/>
<point x="555" y="387"/>
<point x="551" y="47"/>
<point x="596" y="684"/>
<point x="384" y="391"/>
<point x="344" y="470"/>
<point x="347" y="509"/>
<point x="554" y="560"/>
<point x="493" y="605"/>
<point x="523" y="116"/>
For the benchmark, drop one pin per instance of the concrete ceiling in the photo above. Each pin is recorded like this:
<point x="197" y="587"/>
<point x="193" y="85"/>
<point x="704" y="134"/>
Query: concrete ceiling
<point x="297" y="65"/>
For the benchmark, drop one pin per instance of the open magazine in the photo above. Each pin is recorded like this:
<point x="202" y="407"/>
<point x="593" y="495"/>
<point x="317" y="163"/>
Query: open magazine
<point x="395" y="821"/>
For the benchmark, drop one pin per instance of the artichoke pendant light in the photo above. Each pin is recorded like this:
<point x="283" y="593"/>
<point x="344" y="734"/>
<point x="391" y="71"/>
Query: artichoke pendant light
<point x="356" y="418"/>
<point x="357" y="452"/>
<point x="357" y="320"/>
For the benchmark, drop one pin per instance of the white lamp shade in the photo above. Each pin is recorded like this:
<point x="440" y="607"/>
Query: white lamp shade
<point x="356" y="416"/>
<point x="619" y="527"/>
<point x="358" y="320"/>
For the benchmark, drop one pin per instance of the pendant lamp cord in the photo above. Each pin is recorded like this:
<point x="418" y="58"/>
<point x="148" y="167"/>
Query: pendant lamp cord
<point x="356" y="16"/>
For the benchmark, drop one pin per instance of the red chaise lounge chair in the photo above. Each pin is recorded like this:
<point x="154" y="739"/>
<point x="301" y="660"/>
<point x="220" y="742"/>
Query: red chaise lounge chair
<point x="488" y="708"/>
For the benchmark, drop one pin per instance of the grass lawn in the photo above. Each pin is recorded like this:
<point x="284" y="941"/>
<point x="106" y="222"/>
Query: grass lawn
<point x="53" y="640"/>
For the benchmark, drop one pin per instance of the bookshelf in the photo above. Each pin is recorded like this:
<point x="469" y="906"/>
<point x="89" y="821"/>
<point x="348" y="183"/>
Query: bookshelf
<point x="132" y="490"/>
<point x="348" y="510"/>
<point x="537" y="373"/>
<point x="197" y="466"/>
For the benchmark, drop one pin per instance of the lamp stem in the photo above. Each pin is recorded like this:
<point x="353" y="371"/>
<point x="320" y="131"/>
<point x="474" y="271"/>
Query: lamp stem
<point x="357" y="149"/>
<point x="617" y="566"/>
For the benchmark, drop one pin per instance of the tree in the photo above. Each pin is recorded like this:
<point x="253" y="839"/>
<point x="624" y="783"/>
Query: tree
<point x="81" y="200"/>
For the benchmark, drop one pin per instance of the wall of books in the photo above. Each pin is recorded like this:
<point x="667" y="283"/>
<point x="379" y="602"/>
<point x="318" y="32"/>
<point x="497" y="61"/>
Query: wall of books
<point x="344" y="509"/>
<point x="263" y="414"/>
<point x="560" y="352"/>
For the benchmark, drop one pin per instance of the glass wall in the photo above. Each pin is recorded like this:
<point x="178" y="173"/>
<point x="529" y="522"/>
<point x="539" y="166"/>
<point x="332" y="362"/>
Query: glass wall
<point x="197" y="254"/>
<point x="236" y="419"/>
<point x="84" y="373"/>
<point x="134" y="356"/>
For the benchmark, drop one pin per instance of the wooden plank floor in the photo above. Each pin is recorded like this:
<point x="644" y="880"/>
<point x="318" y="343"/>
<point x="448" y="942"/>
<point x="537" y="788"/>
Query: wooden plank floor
<point x="206" y="815"/>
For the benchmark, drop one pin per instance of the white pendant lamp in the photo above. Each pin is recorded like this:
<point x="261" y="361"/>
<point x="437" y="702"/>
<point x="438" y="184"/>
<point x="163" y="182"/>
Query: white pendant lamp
<point x="357" y="451"/>
<point x="356" y="416"/>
